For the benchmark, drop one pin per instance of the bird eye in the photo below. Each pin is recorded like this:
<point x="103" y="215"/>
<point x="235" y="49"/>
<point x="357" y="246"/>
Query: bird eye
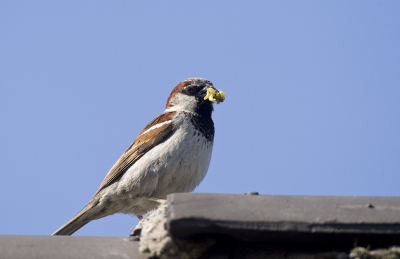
<point x="189" y="90"/>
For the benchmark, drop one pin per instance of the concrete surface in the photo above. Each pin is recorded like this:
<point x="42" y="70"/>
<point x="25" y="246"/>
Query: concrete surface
<point x="155" y="240"/>
<point x="63" y="247"/>
<point x="287" y="219"/>
<point x="238" y="226"/>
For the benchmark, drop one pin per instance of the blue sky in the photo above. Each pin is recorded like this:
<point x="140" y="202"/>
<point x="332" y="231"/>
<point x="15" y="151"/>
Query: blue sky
<point x="312" y="98"/>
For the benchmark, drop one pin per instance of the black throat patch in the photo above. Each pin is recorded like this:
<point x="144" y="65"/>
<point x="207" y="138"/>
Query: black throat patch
<point x="204" y="124"/>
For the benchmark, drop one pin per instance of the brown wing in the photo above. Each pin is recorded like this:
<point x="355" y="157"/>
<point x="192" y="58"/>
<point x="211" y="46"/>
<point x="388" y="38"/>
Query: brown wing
<point x="147" y="139"/>
<point x="157" y="131"/>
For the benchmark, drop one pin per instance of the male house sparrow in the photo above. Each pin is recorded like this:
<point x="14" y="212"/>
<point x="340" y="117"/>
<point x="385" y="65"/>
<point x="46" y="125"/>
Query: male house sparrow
<point x="171" y="154"/>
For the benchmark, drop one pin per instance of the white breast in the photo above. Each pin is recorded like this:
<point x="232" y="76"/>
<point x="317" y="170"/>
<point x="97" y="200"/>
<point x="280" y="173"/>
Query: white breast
<point x="177" y="165"/>
<point x="184" y="163"/>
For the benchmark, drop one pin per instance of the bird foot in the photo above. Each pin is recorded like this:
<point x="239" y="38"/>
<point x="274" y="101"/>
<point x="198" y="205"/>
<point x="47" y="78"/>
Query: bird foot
<point x="161" y="201"/>
<point x="140" y="217"/>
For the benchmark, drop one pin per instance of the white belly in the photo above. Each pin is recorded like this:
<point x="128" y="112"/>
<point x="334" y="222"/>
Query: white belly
<point x="162" y="171"/>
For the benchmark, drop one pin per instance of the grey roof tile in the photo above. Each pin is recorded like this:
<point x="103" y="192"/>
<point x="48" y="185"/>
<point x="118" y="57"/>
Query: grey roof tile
<point x="285" y="218"/>
<point x="63" y="247"/>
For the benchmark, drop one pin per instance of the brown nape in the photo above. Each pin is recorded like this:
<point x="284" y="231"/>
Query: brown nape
<point x="176" y="90"/>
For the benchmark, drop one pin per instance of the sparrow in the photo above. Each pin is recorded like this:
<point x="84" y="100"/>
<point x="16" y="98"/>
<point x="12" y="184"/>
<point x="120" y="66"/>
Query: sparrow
<point x="171" y="154"/>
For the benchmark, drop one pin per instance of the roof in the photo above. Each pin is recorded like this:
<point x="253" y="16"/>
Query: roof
<point x="287" y="219"/>
<point x="329" y="222"/>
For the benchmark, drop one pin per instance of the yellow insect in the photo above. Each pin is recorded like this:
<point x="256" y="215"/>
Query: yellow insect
<point x="213" y="96"/>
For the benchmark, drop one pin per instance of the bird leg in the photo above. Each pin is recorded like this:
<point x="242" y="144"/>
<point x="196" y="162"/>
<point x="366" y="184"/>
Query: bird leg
<point x="150" y="198"/>
<point x="140" y="217"/>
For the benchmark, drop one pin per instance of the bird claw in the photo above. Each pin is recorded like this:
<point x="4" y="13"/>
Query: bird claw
<point x="161" y="201"/>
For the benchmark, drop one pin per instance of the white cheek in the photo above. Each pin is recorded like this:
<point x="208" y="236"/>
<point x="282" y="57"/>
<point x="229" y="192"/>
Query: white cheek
<point x="182" y="102"/>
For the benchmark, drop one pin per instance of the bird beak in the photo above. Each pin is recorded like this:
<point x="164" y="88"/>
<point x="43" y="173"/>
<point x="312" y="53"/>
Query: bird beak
<point x="213" y="95"/>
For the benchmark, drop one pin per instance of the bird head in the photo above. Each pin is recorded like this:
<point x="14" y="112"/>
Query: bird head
<point x="195" y="95"/>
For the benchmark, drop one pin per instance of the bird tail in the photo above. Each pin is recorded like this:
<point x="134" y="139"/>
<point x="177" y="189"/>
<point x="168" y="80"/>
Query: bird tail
<point x="73" y="224"/>
<point x="69" y="228"/>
